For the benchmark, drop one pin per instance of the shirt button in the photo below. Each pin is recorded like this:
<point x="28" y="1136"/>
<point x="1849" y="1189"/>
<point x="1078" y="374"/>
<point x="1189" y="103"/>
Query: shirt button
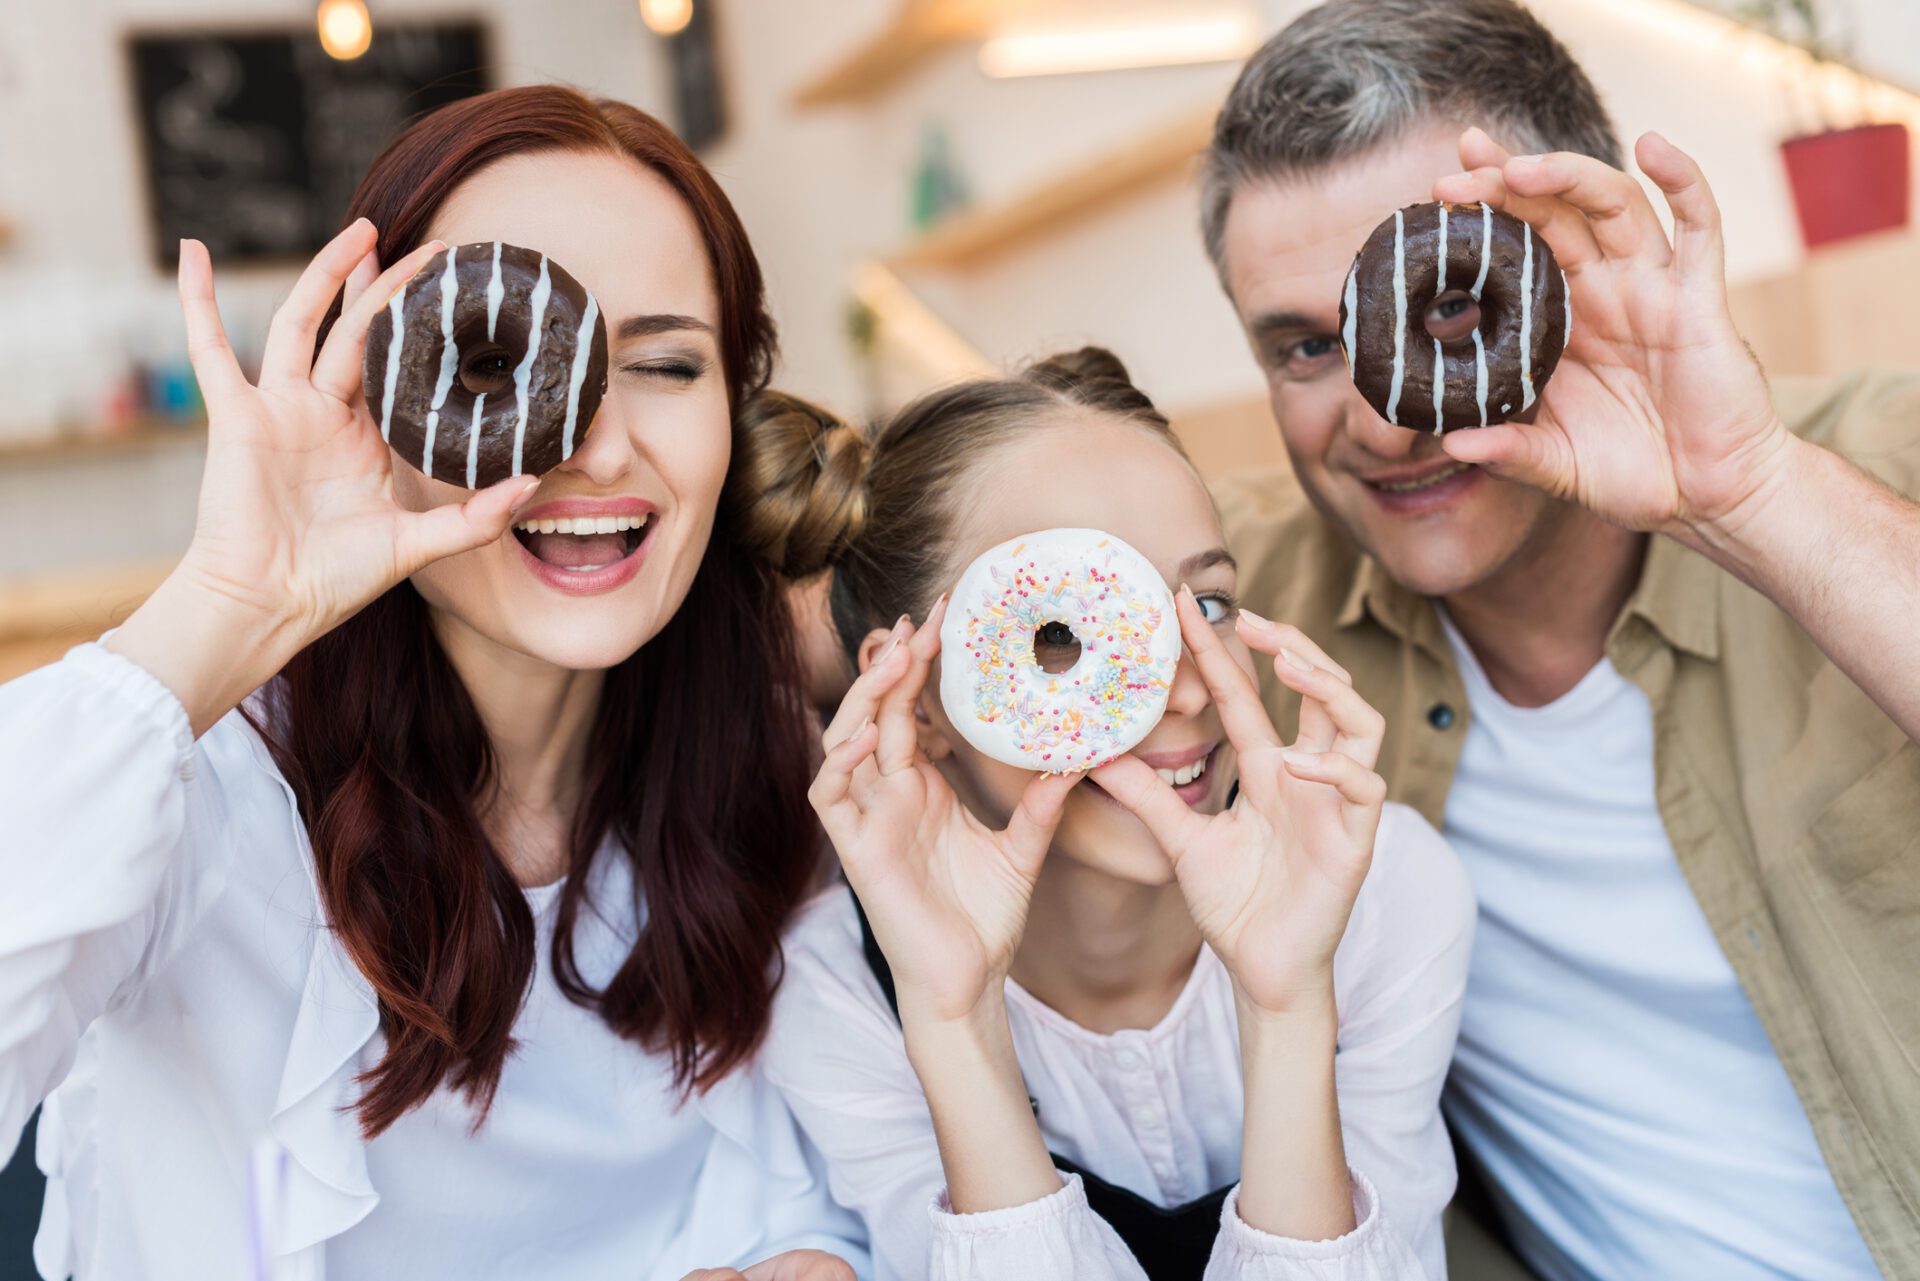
<point x="1440" y="716"/>
<point x="1127" y="1061"/>
<point x="1146" y="1118"/>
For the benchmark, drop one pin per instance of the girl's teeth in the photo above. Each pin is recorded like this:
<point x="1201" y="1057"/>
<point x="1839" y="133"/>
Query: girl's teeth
<point x="1184" y="775"/>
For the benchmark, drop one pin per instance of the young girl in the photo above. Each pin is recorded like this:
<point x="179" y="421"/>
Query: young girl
<point x="466" y="926"/>
<point x="1111" y="999"/>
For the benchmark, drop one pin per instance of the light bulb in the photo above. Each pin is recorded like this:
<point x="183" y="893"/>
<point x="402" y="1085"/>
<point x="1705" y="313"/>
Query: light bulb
<point x="666" y="17"/>
<point x="346" y="29"/>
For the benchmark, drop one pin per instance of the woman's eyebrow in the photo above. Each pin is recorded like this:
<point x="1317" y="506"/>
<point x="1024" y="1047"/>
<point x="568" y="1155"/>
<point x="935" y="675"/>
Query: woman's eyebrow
<point x="1206" y="560"/>
<point x="661" y="323"/>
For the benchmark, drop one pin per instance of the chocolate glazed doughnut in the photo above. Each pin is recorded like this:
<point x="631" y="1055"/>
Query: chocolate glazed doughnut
<point x="1454" y="316"/>
<point x="490" y="362"/>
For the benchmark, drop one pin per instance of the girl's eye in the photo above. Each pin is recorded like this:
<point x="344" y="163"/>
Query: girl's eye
<point x="1215" y="607"/>
<point x="680" y="371"/>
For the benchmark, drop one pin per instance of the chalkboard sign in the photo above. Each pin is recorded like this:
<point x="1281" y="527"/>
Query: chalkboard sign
<point x="254" y="141"/>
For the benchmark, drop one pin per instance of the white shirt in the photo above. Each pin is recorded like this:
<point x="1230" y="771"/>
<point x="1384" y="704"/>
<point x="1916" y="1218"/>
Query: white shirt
<point x="1157" y="1110"/>
<point x="165" y="963"/>
<point x="1612" y="1076"/>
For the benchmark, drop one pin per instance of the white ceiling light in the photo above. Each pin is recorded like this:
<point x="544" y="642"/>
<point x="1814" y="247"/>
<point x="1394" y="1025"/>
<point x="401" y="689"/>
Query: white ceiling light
<point x="1063" y="50"/>
<point x="346" y="29"/>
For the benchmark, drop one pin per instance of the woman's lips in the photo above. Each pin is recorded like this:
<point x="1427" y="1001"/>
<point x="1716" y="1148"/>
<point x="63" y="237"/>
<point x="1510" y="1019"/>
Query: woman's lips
<point x="606" y="555"/>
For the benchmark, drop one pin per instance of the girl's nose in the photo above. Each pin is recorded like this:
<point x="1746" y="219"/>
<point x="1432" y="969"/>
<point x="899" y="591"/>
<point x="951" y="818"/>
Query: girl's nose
<point x="1189" y="695"/>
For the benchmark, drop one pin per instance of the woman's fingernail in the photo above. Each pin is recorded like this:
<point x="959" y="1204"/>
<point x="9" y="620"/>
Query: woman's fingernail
<point x="1295" y="660"/>
<point x="864" y="722"/>
<point x="1526" y="160"/>
<point x="526" y="492"/>
<point x="1304" y="760"/>
<point x="1253" y="619"/>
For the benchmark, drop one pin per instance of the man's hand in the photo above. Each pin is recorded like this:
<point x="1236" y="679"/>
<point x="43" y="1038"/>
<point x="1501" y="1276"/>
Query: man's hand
<point x="1658" y="418"/>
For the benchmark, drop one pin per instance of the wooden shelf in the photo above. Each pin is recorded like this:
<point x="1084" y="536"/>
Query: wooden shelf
<point x="43" y="616"/>
<point x="132" y="439"/>
<point x="973" y="234"/>
<point x="917" y="30"/>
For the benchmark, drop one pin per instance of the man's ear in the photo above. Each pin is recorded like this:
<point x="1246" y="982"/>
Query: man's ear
<point x="929" y="718"/>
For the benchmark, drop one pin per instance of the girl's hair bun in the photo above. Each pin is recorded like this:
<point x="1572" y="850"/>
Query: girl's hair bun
<point x="1073" y="370"/>
<point x="798" y="485"/>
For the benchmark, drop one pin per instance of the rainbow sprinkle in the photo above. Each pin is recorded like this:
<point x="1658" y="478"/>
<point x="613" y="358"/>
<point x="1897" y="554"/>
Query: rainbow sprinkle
<point x="1117" y="607"/>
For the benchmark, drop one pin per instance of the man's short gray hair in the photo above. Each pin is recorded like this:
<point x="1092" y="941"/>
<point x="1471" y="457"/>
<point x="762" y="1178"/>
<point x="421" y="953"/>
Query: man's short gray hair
<point x="1352" y="75"/>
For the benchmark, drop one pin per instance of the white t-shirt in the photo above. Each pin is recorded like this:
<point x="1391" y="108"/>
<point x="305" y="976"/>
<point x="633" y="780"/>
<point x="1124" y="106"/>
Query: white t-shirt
<point x="1612" y="1076"/>
<point x="1155" y="1110"/>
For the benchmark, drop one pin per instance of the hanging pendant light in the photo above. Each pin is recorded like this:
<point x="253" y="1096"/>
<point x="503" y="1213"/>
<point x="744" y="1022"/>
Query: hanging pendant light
<point x="666" y="17"/>
<point x="346" y="28"/>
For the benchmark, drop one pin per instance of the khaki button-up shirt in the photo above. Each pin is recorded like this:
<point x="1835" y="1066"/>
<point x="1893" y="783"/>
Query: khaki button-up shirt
<point x="1792" y="802"/>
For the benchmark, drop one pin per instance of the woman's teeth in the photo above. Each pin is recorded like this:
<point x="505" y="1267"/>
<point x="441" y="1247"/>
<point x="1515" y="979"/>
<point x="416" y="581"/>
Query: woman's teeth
<point x="1185" y="774"/>
<point x="584" y="525"/>
<point x="1424" y="482"/>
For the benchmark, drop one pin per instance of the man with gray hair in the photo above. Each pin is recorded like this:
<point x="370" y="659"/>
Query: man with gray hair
<point x="1649" y="656"/>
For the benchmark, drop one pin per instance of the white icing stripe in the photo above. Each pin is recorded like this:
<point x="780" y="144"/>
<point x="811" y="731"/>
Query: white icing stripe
<point x="495" y="292"/>
<point x="1439" y="359"/>
<point x="395" y="346"/>
<point x="1486" y="249"/>
<point x="1399" y="315"/>
<point x="1352" y="334"/>
<point x="1526" y="319"/>
<point x="524" y="374"/>
<point x="473" y="443"/>
<point x="449" y="359"/>
<point x="582" y="349"/>
<point x="1566" y="295"/>
<point x="1480" y="375"/>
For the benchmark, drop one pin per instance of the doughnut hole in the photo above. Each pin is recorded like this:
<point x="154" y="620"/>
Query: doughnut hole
<point x="487" y="370"/>
<point x="1453" y="316"/>
<point x="1055" y="648"/>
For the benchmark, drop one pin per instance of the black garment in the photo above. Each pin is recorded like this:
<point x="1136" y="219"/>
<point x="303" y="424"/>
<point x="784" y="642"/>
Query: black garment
<point x="1169" y="1244"/>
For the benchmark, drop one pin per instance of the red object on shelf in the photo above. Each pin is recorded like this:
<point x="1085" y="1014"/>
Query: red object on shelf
<point x="1849" y="182"/>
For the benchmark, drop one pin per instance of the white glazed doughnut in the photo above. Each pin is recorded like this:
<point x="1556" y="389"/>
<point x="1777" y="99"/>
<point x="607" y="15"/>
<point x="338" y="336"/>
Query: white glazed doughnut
<point x="1118" y="608"/>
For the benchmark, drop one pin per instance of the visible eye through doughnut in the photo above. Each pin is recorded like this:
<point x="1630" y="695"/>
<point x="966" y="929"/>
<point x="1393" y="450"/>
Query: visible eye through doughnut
<point x="1216" y="607"/>
<point x="1453" y="316"/>
<point x="1055" y="648"/>
<point x="487" y="370"/>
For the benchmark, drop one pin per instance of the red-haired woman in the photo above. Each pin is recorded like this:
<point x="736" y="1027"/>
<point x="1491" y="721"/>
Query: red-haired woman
<point x="471" y="915"/>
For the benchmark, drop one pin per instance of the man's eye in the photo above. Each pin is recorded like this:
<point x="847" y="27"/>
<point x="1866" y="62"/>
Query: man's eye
<point x="1306" y="355"/>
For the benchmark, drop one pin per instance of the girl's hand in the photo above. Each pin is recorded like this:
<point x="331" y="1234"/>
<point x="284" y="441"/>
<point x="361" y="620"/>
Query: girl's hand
<point x="946" y="894"/>
<point x="1271" y="880"/>
<point x="298" y="526"/>
<point x="794" y="1265"/>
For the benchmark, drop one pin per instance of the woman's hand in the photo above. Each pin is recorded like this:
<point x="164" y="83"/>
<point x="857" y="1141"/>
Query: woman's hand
<point x="946" y="894"/>
<point x="1271" y="880"/>
<point x="298" y="526"/>
<point x="1659" y="418"/>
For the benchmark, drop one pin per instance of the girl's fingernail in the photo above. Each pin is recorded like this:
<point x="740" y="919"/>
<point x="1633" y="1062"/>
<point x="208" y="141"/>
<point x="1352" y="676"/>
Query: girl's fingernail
<point x="1304" y="760"/>
<point x="526" y="492"/>
<point x="1253" y="619"/>
<point x="1526" y="160"/>
<point x="1295" y="660"/>
<point x="864" y="722"/>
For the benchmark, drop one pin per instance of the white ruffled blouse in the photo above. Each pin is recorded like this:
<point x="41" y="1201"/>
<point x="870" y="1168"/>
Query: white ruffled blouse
<point x="169" y="987"/>
<point x="1157" y="1110"/>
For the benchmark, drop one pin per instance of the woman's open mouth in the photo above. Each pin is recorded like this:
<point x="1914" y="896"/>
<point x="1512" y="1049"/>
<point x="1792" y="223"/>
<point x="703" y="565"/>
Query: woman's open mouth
<point x="584" y="554"/>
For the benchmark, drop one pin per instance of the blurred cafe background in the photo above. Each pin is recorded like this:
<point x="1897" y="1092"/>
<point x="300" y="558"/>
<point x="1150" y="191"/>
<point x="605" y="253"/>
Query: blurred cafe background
<point x="936" y="187"/>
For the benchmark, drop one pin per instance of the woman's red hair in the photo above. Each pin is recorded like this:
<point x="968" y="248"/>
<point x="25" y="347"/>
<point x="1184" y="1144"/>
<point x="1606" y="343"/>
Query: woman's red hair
<point x="698" y="756"/>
